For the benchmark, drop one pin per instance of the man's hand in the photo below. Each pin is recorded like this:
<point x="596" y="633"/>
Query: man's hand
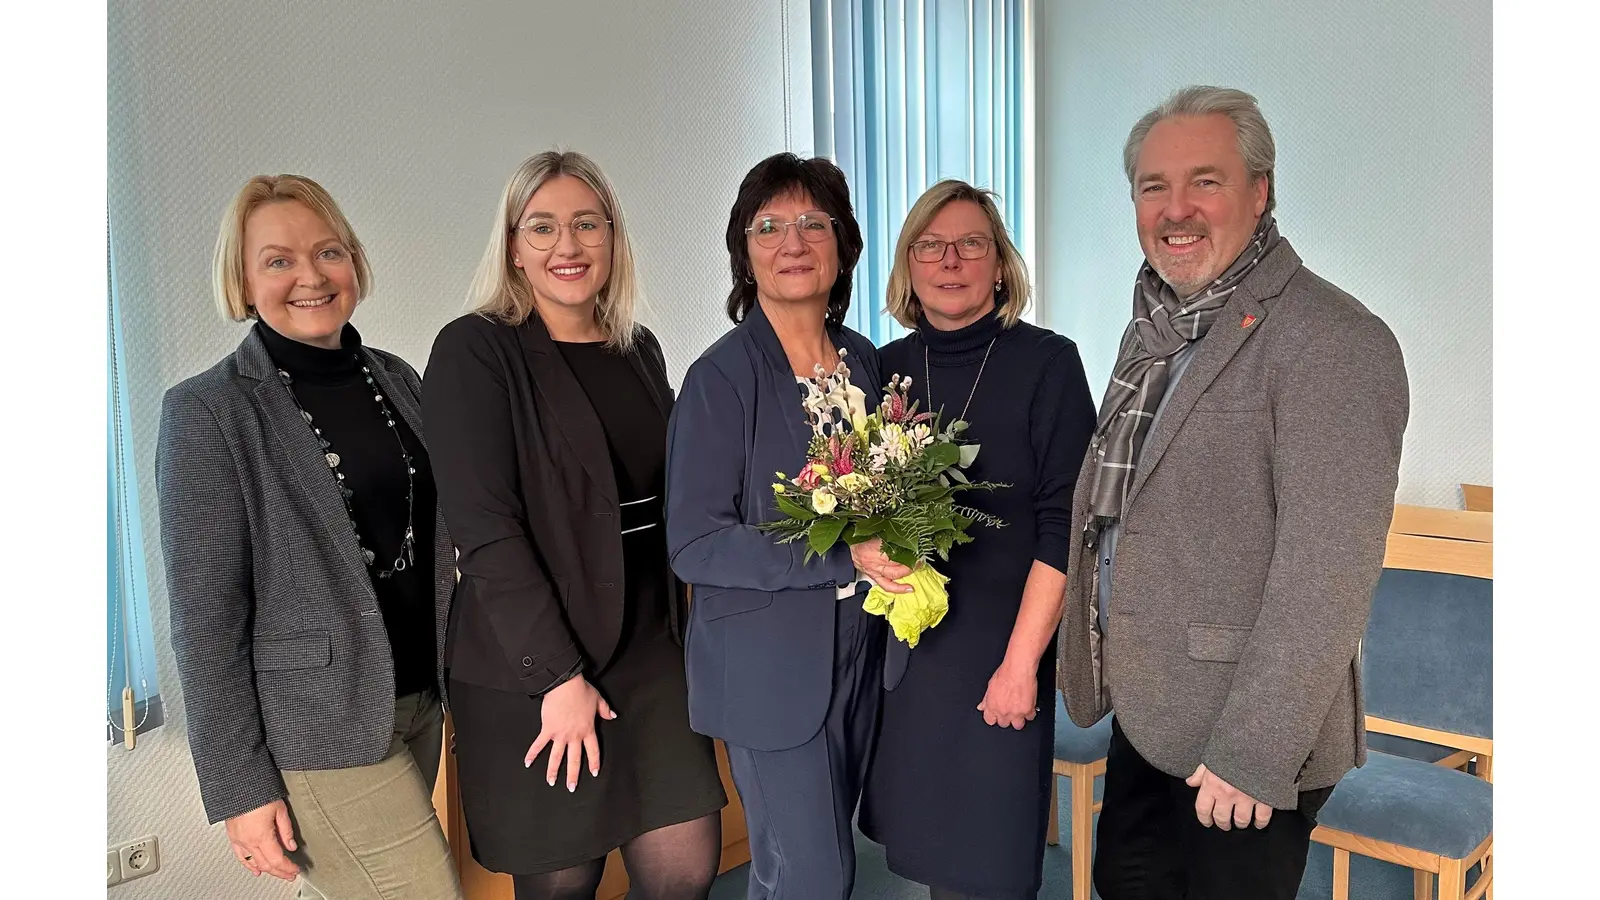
<point x="1223" y="805"/>
<point x="876" y="565"/>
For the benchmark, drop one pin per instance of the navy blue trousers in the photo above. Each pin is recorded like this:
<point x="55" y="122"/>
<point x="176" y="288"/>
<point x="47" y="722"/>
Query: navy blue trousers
<point x="800" y="803"/>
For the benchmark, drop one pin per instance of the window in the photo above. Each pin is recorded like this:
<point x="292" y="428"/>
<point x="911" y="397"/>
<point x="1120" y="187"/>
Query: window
<point x="130" y="643"/>
<point x="907" y="92"/>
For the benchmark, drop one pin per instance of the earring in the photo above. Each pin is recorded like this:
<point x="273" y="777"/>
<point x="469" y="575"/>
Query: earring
<point x="517" y="260"/>
<point x="749" y="280"/>
<point x="997" y="287"/>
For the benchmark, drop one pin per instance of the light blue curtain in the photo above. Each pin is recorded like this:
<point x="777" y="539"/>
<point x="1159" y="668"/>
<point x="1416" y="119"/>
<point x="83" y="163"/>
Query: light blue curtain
<point x="907" y="92"/>
<point x="127" y="588"/>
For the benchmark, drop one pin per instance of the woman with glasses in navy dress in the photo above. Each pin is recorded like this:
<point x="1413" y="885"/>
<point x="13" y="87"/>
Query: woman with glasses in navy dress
<point x="959" y="789"/>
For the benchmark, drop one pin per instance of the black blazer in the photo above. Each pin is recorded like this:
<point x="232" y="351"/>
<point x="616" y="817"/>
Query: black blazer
<point x="526" y="486"/>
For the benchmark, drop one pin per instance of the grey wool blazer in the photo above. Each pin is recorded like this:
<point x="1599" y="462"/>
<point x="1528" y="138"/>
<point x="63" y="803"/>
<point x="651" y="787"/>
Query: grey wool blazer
<point x="1251" y="542"/>
<point x="282" y="652"/>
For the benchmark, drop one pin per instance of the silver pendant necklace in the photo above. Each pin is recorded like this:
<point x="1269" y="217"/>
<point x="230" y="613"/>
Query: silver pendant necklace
<point x="927" y="381"/>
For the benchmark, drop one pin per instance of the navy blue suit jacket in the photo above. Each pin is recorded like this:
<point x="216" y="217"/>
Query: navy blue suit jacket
<point x="759" y="647"/>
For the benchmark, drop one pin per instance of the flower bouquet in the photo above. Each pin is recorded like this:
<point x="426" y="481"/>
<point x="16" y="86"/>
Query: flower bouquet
<point x="892" y="474"/>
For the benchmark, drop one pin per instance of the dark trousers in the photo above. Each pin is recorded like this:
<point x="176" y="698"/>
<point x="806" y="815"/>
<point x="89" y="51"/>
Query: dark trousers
<point x="1151" y="846"/>
<point x="800" y="803"/>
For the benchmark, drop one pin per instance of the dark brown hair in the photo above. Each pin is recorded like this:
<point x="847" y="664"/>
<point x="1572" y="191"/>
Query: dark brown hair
<point x="775" y="176"/>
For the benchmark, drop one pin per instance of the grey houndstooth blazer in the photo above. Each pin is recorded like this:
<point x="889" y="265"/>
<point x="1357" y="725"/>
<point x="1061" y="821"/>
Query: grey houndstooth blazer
<point x="1252" y="539"/>
<point x="283" y="655"/>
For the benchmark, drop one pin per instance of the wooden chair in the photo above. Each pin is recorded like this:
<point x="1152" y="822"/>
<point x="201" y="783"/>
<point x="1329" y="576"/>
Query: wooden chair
<point x="1080" y="757"/>
<point x="1427" y="666"/>
<point x="1412" y="535"/>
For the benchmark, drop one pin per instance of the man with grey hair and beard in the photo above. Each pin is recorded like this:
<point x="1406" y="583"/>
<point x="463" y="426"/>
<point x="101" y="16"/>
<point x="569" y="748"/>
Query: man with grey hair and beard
<point x="1232" y="512"/>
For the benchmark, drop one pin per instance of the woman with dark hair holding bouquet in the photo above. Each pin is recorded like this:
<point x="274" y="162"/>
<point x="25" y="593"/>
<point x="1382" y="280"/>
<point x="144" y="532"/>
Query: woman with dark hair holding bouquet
<point x="783" y="663"/>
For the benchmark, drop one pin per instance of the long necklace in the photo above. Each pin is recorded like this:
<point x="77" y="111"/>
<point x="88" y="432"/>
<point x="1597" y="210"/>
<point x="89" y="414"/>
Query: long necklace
<point x="407" y="554"/>
<point x="927" y="380"/>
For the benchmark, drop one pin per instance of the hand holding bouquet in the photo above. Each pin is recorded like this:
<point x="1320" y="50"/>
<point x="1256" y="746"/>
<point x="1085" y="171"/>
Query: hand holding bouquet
<point x="893" y="475"/>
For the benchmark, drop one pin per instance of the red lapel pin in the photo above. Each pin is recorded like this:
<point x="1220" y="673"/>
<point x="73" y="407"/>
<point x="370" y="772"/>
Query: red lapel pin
<point x="1248" y="321"/>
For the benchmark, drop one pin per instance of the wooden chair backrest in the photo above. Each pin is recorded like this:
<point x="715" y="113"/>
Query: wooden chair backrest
<point x="1457" y="541"/>
<point x="1478" y="497"/>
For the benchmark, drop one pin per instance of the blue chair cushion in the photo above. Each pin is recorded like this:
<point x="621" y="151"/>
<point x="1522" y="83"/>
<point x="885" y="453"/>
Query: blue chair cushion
<point x="1428" y="657"/>
<point x="1080" y="745"/>
<point x="1414" y="804"/>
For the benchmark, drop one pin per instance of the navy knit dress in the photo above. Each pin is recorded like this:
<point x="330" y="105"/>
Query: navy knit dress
<point x="957" y="803"/>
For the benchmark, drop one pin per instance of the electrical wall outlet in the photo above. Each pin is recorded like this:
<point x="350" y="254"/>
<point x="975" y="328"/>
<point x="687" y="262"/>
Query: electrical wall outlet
<point x="113" y="868"/>
<point x="139" y="858"/>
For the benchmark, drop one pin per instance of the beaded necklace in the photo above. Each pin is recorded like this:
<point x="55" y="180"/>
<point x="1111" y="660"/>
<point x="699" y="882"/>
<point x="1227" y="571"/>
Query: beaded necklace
<point x="406" y="556"/>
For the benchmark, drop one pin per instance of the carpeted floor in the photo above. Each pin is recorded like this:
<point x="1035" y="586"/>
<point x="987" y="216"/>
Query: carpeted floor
<point x="1369" y="879"/>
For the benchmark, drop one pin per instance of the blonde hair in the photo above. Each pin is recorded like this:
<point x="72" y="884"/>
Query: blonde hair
<point x="227" y="266"/>
<point x="498" y="290"/>
<point x="1014" y="292"/>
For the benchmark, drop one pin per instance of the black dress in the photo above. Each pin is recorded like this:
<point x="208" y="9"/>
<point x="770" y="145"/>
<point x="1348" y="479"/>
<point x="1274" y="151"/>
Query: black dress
<point x="957" y="803"/>
<point x="654" y="771"/>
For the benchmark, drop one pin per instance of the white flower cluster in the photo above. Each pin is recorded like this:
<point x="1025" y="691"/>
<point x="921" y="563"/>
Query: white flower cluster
<point x="898" y="444"/>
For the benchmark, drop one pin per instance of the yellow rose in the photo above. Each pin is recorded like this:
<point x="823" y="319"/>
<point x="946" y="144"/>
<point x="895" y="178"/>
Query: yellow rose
<point x="854" y="481"/>
<point x="823" y="501"/>
<point x="911" y="614"/>
<point x="778" y="488"/>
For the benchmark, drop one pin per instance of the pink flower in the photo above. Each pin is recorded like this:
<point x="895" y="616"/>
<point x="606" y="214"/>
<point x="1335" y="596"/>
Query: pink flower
<point x="808" y="479"/>
<point x="840" y="455"/>
<point x="897" y="407"/>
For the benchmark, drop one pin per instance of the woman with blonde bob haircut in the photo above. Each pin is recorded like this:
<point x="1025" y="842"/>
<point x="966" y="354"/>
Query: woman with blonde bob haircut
<point x="980" y="686"/>
<point x="550" y="408"/>
<point x="1013" y="292"/>
<point x="308" y="569"/>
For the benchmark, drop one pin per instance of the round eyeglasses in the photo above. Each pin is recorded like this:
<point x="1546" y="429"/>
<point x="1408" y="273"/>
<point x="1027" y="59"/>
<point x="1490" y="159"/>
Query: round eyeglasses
<point x="814" y="227"/>
<point x="967" y="248"/>
<point x="543" y="234"/>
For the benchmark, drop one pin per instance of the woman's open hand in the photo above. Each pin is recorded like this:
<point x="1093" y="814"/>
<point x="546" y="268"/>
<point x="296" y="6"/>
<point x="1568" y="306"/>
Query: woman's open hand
<point x="567" y="715"/>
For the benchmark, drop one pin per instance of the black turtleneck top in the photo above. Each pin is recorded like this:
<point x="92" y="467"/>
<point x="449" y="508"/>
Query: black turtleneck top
<point x="329" y="385"/>
<point x="1032" y="414"/>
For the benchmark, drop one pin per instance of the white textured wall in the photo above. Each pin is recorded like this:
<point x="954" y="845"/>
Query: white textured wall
<point x="412" y="114"/>
<point x="1381" y="112"/>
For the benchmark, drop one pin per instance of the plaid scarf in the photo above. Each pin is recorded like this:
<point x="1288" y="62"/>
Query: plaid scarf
<point x="1162" y="325"/>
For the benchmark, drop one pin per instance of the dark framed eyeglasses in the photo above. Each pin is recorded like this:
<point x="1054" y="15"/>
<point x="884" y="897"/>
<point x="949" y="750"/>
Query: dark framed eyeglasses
<point x="814" y="227"/>
<point x="542" y="234"/>
<point x="931" y="251"/>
